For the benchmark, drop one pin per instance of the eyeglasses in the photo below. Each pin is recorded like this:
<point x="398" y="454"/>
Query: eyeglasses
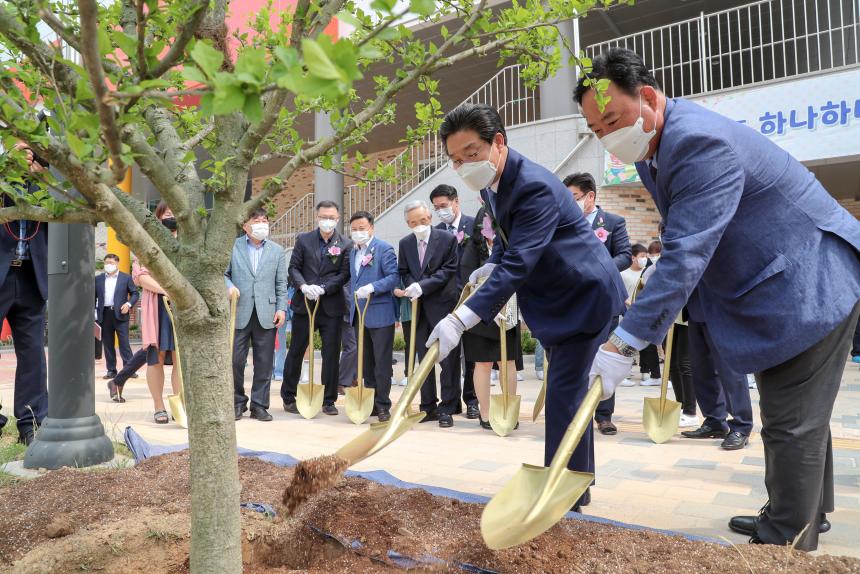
<point x="455" y="164"/>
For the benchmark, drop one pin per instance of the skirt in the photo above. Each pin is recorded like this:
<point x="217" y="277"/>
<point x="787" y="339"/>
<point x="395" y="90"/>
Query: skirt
<point x="480" y="349"/>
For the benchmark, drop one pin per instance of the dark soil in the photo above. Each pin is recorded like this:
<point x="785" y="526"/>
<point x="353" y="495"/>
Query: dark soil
<point x="137" y="520"/>
<point x="312" y="476"/>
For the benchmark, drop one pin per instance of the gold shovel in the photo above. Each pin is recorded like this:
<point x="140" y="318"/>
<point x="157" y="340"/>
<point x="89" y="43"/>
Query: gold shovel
<point x="176" y="402"/>
<point x="541" y="398"/>
<point x="410" y="363"/>
<point x="660" y="417"/>
<point x="359" y="399"/>
<point x="309" y="396"/>
<point x="537" y="497"/>
<point x="380" y="435"/>
<point x="504" y="408"/>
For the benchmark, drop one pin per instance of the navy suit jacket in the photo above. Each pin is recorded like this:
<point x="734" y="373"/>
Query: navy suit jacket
<point x="772" y="257"/>
<point x="565" y="281"/>
<point x="126" y="292"/>
<point x="38" y="249"/>
<point x="617" y="241"/>
<point x="308" y="266"/>
<point x="438" y="275"/>
<point x="382" y="273"/>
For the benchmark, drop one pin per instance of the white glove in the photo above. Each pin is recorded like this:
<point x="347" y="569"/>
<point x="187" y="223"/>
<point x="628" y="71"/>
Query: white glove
<point x="481" y="272"/>
<point x="312" y="292"/>
<point x="364" y="291"/>
<point x="612" y="368"/>
<point x="448" y="332"/>
<point x="414" y="291"/>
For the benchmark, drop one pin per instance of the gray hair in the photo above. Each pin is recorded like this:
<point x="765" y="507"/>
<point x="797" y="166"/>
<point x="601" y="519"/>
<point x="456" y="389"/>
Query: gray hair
<point x="415" y="204"/>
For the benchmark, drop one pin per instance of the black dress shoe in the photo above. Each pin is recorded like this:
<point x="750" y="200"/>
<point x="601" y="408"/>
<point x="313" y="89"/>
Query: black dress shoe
<point x="472" y="412"/>
<point x="747" y="525"/>
<point x="341" y="390"/>
<point x="133" y="376"/>
<point x="110" y="375"/>
<point x="239" y="412"/>
<point x="735" y="441"/>
<point x="291" y="407"/>
<point x="114" y="392"/>
<point x="260" y="414"/>
<point x="705" y="431"/>
<point x="430" y="416"/>
<point x="607" y="428"/>
<point x="330" y="410"/>
<point x="383" y="415"/>
<point x="26" y="437"/>
<point x="374" y="412"/>
<point x="446" y="420"/>
<point x="484" y="424"/>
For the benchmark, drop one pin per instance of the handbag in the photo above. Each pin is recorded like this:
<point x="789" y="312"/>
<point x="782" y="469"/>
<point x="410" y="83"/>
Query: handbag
<point x="510" y="313"/>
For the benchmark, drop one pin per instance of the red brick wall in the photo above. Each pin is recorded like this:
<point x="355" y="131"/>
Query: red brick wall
<point x="852" y="205"/>
<point x="635" y="205"/>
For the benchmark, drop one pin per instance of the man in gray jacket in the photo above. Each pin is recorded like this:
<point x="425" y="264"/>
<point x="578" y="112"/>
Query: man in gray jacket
<point x="258" y="276"/>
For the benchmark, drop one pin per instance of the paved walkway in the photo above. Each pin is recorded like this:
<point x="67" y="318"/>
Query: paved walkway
<point x="684" y="485"/>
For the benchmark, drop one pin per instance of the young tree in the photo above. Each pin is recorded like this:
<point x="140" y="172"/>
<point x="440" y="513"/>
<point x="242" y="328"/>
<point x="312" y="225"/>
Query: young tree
<point x="118" y="79"/>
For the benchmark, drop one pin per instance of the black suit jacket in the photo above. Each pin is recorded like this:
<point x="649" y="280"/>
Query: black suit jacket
<point x="618" y="243"/>
<point x="438" y="275"/>
<point x="126" y="292"/>
<point x="308" y="266"/>
<point x="38" y="248"/>
<point x="465" y="225"/>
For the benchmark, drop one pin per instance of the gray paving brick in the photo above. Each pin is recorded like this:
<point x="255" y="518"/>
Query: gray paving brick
<point x="695" y="463"/>
<point x="751" y="501"/>
<point x="483" y="465"/>
<point x="755" y="479"/>
<point x="637" y="441"/>
<point x="753" y="460"/>
<point x="849" y="502"/>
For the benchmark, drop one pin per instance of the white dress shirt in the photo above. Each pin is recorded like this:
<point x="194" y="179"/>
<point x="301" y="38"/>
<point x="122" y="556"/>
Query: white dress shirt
<point x="110" y="288"/>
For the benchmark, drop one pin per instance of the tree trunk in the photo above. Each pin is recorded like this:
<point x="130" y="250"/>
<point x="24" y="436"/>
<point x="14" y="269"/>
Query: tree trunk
<point x="207" y="369"/>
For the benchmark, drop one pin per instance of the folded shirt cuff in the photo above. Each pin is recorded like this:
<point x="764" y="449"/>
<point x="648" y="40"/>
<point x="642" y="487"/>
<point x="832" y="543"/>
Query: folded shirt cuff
<point x="631" y="340"/>
<point x="467" y="317"/>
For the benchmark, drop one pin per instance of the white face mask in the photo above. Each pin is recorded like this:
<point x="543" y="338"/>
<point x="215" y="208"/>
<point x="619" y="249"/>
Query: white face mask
<point x="630" y="144"/>
<point x="581" y="204"/>
<point x="360" y="237"/>
<point x="642" y="261"/>
<point x="328" y="225"/>
<point x="260" y="231"/>
<point x="446" y="215"/>
<point x="110" y="268"/>
<point x="422" y="232"/>
<point x="477" y="175"/>
<point x="653" y="258"/>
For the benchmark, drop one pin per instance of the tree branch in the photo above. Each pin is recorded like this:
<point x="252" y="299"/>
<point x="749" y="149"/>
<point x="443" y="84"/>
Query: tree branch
<point x="324" y="16"/>
<point x="181" y="41"/>
<point x="197" y="138"/>
<point x="140" y="24"/>
<point x="35" y="213"/>
<point x="92" y="61"/>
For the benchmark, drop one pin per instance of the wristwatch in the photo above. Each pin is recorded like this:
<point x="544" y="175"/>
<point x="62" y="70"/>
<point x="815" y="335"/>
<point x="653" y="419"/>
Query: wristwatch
<point x="623" y="348"/>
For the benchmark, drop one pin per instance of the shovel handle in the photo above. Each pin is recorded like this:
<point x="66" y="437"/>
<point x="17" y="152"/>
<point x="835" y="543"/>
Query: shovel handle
<point x="503" y="368"/>
<point x="234" y="300"/>
<point x="312" y="315"/>
<point x="667" y="364"/>
<point x="362" y="313"/>
<point x="581" y="421"/>
<point x="413" y="325"/>
<point x="176" y="362"/>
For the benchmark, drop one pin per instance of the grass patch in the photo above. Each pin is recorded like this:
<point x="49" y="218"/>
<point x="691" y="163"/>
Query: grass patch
<point x="10" y="450"/>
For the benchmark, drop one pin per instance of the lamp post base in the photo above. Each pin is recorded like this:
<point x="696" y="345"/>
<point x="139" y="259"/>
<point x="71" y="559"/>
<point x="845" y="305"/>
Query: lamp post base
<point x="75" y="442"/>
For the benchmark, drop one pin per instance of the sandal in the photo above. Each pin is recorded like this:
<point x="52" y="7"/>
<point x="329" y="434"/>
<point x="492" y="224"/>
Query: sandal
<point x="161" y="418"/>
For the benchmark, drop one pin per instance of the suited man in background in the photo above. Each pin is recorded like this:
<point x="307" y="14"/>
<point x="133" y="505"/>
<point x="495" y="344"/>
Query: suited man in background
<point x="427" y="263"/>
<point x="611" y="230"/>
<point x="116" y="294"/>
<point x="319" y="268"/>
<point x="257" y="275"/>
<point x="373" y="274"/>
<point x="23" y="294"/>
<point x="786" y="315"/>
<point x="447" y="207"/>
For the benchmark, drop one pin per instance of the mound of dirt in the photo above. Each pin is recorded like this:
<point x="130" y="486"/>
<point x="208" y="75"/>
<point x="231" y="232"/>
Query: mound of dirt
<point x="137" y="520"/>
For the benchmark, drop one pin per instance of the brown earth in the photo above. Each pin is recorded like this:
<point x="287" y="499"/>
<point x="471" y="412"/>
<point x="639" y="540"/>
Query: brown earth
<point x="136" y="520"/>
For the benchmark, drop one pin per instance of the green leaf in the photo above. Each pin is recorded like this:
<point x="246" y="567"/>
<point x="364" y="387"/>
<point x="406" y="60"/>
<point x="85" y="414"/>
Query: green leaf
<point x="125" y="42"/>
<point x="349" y="18"/>
<point x="229" y="96"/>
<point x="252" y="62"/>
<point x="193" y="74"/>
<point x="79" y="148"/>
<point x="207" y="58"/>
<point x="318" y="62"/>
<point x="105" y="47"/>
<point x="386" y="6"/>
<point x="422" y="7"/>
<point x="253" y="108"/>
<point x="156" y="83"/>
<point x="83" y="90"/>
<point x="370" y="52"/>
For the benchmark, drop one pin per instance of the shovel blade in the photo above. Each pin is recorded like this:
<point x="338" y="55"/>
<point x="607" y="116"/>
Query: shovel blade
<point x="358" y="403"/>
<point x="309" y="399"/>
<point x="177" y="410"/>
<point x="660" y="419"/>
<point x="529" y="504"/>
<point x="503" y="420"/>
<point x="541" y="398"/>
<point x="377" y="437"/>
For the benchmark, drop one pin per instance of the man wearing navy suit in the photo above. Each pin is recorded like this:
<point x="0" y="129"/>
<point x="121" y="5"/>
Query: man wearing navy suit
<point x="23" y="293"/>
<point x="116" y="294"/>
<point x="446" y="204"/>
<point x="731" y="201"/>
<point x="568" y="287"/>
<point x="427" y="263"/>
<point x="611" y="230"/>
<point x="373" y="273"/>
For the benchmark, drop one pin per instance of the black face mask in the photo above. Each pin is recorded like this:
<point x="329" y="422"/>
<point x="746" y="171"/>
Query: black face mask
<point x="169" y="223"/>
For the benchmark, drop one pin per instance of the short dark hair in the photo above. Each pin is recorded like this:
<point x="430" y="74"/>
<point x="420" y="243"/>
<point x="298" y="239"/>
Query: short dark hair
<point x="444" y="190"/>
<point x="257" y="212"/>
<point x="584" y="181"/>
<point x="327" y="203"/>
<point x="480" y="118"/>
<point x="113" y="256"/>
<point x="622" y="67"/>
<point x="362" y="215"/>
<point x="639" y="249"/>
<point x="655" y="247"/>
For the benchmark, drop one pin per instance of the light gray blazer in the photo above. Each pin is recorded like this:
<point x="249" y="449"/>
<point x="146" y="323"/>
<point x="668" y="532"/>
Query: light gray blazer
<point x="265" y="291"/>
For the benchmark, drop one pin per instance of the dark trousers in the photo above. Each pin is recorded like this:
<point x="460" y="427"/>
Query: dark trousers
<point x="649" y="361"/>
<point x="796" y="400"/>
<point x="469" y="395"/>
<point x="263" y="341"/>
<point x="113" y="329"/>
<point x="330" y="331"/>
<point x="449" y="378"/>
<point x="131" y="366"/>
<point x="606" y="408"/>
<point x="681" y="371"/>
<point x="719" y="389"/>
<point x="348" y="356"/>
<point x="567" y="385"/>
<point x="24" y="308"/>
<point x="855" y="347"/>
<point x="378" y="345"/>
